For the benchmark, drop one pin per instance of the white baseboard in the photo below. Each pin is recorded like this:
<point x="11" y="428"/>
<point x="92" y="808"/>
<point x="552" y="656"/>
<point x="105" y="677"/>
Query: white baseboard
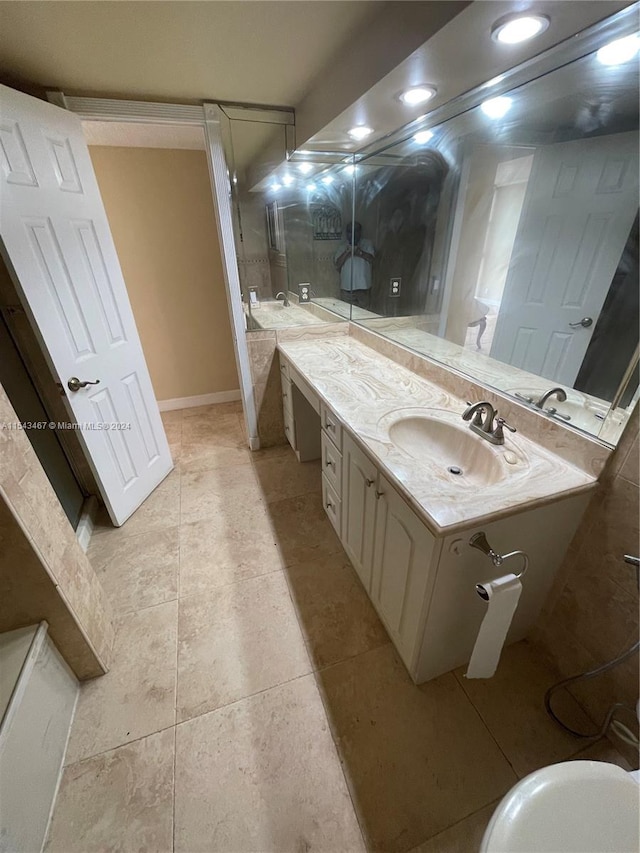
<point x="202" y="400"/>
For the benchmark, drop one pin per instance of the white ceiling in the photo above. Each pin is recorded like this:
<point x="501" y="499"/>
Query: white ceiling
<point x="259" y="52"/>
<point x="134" y="135"/>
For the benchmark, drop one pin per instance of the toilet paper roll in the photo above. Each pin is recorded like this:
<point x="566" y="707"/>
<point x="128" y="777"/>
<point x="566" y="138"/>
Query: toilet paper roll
<point x="503" y="595"/>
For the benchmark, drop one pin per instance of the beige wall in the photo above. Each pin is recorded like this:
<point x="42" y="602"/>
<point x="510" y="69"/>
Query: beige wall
<point x="592" y="613"/>
<point x="44" y="573"/>
<point x="159" y="206"/>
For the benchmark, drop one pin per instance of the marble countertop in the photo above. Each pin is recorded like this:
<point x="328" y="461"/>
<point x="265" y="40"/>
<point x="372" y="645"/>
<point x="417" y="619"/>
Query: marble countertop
<point x="585" y="412"/>
<point x="367" y="390"/>
<point x="272" y="314"/>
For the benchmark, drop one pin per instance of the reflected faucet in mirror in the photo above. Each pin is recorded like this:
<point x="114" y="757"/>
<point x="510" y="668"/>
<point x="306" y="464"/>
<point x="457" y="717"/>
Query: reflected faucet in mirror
<point x="559" y="393"/>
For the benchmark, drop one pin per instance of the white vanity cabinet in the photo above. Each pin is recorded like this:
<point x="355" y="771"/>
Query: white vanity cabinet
<point x="359" y="486"/>
<point x="389" y="546"/>
<point x="404" y="563"/>
<point x="287" y="405"/>
<point x="423" y="586"/>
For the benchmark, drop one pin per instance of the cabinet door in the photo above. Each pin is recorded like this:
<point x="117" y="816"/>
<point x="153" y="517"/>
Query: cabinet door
<point x="358" y="508"/>
<point x="404" y="554"/>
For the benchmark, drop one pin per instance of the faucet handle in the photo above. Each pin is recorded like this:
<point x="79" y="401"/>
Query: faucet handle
<point x="477" y="415"/>
<point x="498" y="433"/>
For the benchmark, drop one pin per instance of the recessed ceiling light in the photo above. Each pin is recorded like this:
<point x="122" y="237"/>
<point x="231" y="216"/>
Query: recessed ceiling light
<point x="311" y="187"/>
<point x="513" y="29"/>
<point x="496" y="107"/>
<point x="287" y="180"/>
<point x="305" y="168"/>
<point x="423" y="136"/>
<point x="328" y="179"/>
<point x="360" y="132"/>
<point x="417" y="95"/>
<point x="619" y="51"/>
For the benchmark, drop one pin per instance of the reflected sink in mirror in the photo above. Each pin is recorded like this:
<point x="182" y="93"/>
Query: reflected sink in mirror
<point x="441" y="439"/>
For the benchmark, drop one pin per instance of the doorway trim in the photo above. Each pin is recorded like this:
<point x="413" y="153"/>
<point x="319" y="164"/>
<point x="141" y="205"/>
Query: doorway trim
<point x="213" y="118"/>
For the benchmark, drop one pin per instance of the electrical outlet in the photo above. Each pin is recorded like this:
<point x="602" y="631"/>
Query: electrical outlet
<point x="304" y="292"/>
<point x="394" y="286"/>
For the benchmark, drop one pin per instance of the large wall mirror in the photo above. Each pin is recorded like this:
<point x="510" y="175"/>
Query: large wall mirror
<point x="505" y="240"/>
<point x="289" y="220"/>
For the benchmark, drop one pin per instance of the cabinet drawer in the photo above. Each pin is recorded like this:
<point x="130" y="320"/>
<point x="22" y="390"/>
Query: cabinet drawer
<point x="331" y="425"/>
<point x="289" y="427"/>
<point x="332" y="505"/>
<point x="332" y="464"/>
<point x="286" y="392"/>
<point x="284" y="367"/>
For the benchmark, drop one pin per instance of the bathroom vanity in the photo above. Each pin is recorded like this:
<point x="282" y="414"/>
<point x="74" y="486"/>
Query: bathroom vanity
<point x="406" y="483"/>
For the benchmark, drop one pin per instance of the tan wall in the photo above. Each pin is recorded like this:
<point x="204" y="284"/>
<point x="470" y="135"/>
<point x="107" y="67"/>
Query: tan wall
<point x="44" y="573"/>
<point x="159" y="206"/>
<point x="592" y="613"/>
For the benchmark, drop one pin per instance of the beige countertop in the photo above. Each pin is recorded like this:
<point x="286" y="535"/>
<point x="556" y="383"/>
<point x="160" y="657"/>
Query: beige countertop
<point x="368" y="392"/>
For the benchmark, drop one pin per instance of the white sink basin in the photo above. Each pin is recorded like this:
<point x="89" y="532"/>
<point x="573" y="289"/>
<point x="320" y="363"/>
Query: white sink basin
<point x="443" y="440"/>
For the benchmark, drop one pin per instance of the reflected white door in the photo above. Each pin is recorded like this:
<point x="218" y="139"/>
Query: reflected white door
<point x="581" y="201"/>
<point x="56" y="237"/>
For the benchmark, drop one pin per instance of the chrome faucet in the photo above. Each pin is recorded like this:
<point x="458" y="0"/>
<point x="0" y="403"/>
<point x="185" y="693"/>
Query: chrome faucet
<point x="285" y="298"/>
<point x="484" y="415"/>
<point x="560" y="393"/>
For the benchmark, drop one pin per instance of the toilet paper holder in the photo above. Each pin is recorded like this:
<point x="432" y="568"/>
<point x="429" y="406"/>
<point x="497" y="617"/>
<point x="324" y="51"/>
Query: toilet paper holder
<point x="479" y="541"/>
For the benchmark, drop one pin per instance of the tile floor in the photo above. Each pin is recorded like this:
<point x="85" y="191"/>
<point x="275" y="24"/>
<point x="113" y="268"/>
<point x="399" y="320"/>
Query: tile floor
<point x="255" y="702"/>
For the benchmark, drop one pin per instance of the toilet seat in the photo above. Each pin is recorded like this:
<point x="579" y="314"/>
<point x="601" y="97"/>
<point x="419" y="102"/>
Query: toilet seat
<point x="572" y="807"/>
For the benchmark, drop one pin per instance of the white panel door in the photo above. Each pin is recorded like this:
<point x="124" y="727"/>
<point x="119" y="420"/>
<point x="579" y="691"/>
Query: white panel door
<point x="581" y="201"/>
<point x="403" y="567"/>
<point x="358" y="509"/>
<point x="56" y="237"/>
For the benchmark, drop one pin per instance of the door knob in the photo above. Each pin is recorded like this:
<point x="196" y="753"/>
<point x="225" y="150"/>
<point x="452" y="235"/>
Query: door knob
<point x="75" y="384"/>
<point x="585" y="323"/>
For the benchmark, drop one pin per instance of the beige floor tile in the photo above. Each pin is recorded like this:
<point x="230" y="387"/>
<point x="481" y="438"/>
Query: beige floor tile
<point x="221" y="430"/>
<point x="463" y="837"/>
<point x="201" y="456"/>
<point x="226" y="549"/>
<point x="512" y="706"/>
<point x="218" y="493"/>
<point x="602" y="750"/>
<point x="172" y="417"/>
<point x="213" y="410"/>
<point x="118" y="801"/>
<point x="137" y="571"/>
<point x="418" y="759"/>
<point x="237" y="641"/>
<point x="173" y="432"/>
<point x="334" y="611"/>
<point x="159" y="511"/>
<point x="263" y="775"/>
<point x="272" y="452"/>
<point x="137" y="696"/>
<point x="281" y="476"/>
<point x="303" y="531"/>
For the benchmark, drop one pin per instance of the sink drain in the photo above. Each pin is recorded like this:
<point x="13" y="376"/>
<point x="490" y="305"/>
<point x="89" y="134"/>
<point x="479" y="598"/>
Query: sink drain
<point x="453" y="469"/>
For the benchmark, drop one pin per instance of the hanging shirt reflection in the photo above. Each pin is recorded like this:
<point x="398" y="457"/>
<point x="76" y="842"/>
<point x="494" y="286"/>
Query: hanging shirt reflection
<point x="355" y="266"/>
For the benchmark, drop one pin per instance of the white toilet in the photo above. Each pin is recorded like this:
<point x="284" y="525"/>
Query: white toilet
<point x="572" y="807"/>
